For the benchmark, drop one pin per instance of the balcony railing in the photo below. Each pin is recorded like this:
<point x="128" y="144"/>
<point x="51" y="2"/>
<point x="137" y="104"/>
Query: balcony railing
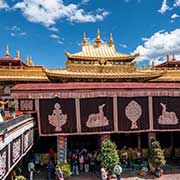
<point x="14" y="122"/>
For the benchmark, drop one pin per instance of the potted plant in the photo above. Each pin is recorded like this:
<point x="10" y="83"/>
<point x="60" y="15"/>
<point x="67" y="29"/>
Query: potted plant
<point x="108" y="156"/>
<point x="156" y="157"/>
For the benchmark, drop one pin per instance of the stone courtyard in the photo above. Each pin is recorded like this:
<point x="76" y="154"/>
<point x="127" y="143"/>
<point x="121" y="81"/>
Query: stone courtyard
<point x="171" y="172"/>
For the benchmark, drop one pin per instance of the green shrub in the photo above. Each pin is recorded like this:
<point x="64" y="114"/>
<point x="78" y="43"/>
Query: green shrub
<point x="156" y="154"/>
<point x="108" y="155"/>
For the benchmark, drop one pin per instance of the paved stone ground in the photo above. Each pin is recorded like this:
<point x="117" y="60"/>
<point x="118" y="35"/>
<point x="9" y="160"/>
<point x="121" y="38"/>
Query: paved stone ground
<point x="171" y="173"/>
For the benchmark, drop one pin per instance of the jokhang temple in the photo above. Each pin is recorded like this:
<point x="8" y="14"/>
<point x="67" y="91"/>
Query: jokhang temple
<point x="100" y="94"/>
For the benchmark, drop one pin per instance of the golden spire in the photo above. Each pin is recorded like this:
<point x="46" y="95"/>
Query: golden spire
<point x="167" y="57"/>
<point x="18" y="54"/>
<point x="30" y="61"/>
<point x="98" y="38"/>
<point x="7" y="52"/>
<point x="153" y="65"/>
<point x="27" y="60"/>
<point x="111" y="43"/>
<point x="84" y="39"/>
<point x="174" y="57"/>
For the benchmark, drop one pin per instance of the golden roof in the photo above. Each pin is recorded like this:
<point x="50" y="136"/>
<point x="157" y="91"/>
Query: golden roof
<point x="63" y="73"/>
<point x="98" y="51"/>
<point x="104" y="51"/>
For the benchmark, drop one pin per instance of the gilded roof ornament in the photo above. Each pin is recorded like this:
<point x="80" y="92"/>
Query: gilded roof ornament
<point x="18" y="54"/>
<point x="27" y="60"/>
<point x="84" y="41"/>
<point x="111" y="43"/>
<point x="7" y="52"/>
<point x="174" y="57"/>
<point x="153" y="64"/>
<point x="98" y="38"/>
<point x="30" y="61"/>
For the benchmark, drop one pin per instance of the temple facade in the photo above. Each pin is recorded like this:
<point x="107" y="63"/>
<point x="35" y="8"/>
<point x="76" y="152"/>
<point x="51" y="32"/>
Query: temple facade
<point x="100" y="94"/>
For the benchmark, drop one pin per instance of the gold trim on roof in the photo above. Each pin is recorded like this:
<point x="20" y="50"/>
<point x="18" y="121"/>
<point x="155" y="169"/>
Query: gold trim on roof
<point x="103" y="52"/>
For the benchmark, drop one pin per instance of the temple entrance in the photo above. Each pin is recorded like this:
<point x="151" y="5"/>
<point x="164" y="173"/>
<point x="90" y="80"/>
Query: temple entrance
<point x="79" y="142"/>
<point x="130" y="140"/>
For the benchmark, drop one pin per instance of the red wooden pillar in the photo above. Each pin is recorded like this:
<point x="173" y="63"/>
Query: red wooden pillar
<point x="61" y="149"/>
<point x="105" y="137"/>
<point x="151" y="135"/>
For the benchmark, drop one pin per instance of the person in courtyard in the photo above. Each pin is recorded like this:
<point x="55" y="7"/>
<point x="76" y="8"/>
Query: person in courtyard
<point x="86" y="163"/>
<point x="117" y="171"/>
<point x="50" y="168"/>
<point x="75" y="164"/>
<point x="31" y="169"/>
<point x="103" y="174"/>
<point x="37" y="162"/>
<point x="159" y="172"/>
<point x="124" y="158"/>
<point x="13" y="175"/>
<point x="81" y="161"/>
<point x="59" y="174"/>
<point x="139" y="157"/>
<point x="51" y="154"/>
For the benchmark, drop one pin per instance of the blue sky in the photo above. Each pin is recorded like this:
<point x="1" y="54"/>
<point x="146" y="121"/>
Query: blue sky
<point x="44" y="29"/>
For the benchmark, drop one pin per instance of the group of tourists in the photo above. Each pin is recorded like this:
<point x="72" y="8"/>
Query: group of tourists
<point x="53" y="172"/>
<point x="84" y="161"/>
<point x="116" y="172"/>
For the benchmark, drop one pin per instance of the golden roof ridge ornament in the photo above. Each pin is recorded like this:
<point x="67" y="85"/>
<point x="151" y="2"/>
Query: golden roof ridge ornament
<point x="84" y="40"/>
<point x="30" y="61"/>
<point x="7" y="52"/>
<point x="98" y="38"/>
<point x="18" y="54"/>
<point x="111" y="43"/>
<point x="174" y="57"/>
<point x="27" y="60"/>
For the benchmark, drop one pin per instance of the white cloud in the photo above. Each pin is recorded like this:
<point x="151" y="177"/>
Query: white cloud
<point x="47" y="12"/>
<point x="85" y="1"/>
<point x="60" y="42"/>
<point x="174" y="16"/>
<point x="3" y="4"/>
<point x="176" y="3"/>
<point x="16" y="31"/>
<point x="54" y="36"/>
<point x="15" y="28"/>
<point x="158" y="45"/>
<point x="123" y="45"/>
<point x="22" y="33"/>
<point x="164" y="7"/>
<point x="54" y="29"/>
<point x="81" y="16"/>
<point x="12" y="34"/>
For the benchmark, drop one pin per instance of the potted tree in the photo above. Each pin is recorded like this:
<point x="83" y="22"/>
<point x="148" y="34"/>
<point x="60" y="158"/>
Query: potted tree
<point x="108" y="156"/>
<point x="156" y="156"/>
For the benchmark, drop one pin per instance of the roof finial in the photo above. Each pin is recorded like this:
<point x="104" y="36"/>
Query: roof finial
<point x="111" y="43"/>
<point x="98" y="38"/>
<point x="18" y="54"/>
<point x="84" y="39"/>
<point x="174" y="57"/>
<point x="27" y="60"/>
<point x="7" y="52"/>
<point x="153" y="65"/>
<point x="30" y="61"/>
<point x="167" y="57"/>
